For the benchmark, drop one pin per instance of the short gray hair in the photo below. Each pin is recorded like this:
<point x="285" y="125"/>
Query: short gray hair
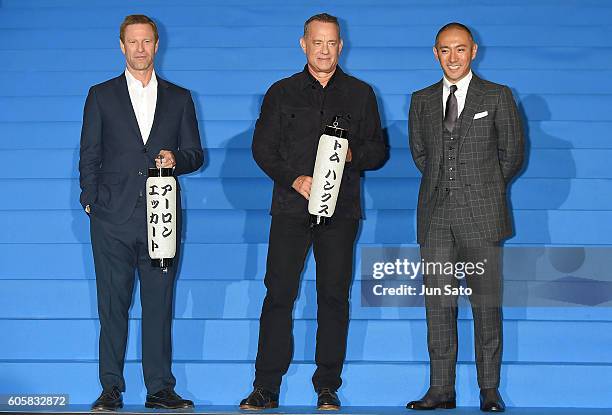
<point x="322" y="17"/>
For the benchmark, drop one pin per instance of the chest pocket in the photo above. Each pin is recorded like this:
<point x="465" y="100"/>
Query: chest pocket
<point x="299" y="129"/>
<point x="348" y="120"/>
<point x="297" y="122"/>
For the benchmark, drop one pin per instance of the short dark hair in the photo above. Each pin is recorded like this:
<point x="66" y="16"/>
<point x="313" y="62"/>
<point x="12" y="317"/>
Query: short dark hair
<point x="322" y="17"/>
<point x="454" y="25"/>
<point x="137" y="19"/>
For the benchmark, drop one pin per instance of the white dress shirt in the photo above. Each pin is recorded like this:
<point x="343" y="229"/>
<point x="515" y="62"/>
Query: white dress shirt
<point x="143" y="100"/>
<point x="460" y="93"/>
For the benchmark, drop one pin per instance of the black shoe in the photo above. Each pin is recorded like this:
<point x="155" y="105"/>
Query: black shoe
<point x="167" y="399"/>
<point x="491" y="401"/>
<point x="109" y="400"/>
<point x="435" y="398"/>
<point x="259" y="399"/>
<point x="328" y="400"/>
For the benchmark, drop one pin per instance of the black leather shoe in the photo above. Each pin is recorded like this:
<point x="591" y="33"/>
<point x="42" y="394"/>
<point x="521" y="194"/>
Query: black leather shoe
<point x="109" y="400"/>
<point x="434" y="399"/>
<point x="491" y="401"/>
<point x="167" y="399"/>
<point x="328" y="400"/>
<point x="259" y="399"/>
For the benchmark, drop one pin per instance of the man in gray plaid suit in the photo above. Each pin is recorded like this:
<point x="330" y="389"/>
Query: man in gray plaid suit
<point x="466" y="139"/>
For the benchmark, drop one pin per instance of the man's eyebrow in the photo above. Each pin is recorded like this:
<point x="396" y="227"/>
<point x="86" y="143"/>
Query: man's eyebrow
<point x="451" y="46"/>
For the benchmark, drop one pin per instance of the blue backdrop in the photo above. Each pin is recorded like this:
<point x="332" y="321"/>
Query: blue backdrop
<point x="555" y="55"/>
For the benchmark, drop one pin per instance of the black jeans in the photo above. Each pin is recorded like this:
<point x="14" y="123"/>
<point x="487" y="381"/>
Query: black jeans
<point x="333" y="248"/>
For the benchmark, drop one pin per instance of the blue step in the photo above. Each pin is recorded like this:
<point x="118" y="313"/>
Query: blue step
<point x="238" y="162"/>
<point x="220" y="299"/>
<point x="283" y="33"/>
<point x="549" y="59"/>
<point x="571" y="227"/>
<point x="394" y="107"/>
<point x="256" y="193"/>
<point x="481" y="15"/>
<point x="238" y="134"/>
<point x="371" y="384"/>
<point x="401" y="341"/>
<point x="241" y="261"/>
<point x="242" y="82"/>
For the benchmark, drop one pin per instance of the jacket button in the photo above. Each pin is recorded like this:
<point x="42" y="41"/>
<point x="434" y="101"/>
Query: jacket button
<point x="140" y="173"/>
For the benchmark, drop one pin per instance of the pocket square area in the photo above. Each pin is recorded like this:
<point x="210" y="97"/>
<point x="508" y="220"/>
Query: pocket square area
<point x="481" y="115"/>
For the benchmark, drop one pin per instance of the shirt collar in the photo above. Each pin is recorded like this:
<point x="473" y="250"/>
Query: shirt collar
<point x="132" y="82"/>
<point x="309" y="80"/>
<point x="462" y="85"/>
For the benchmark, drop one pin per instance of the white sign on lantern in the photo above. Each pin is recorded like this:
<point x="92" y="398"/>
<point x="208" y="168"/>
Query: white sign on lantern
<point x="328" y="169"/>
<point x="161" y="218"/>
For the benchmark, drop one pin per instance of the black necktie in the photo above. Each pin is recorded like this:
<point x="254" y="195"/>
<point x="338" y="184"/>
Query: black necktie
<point x="452" y="112"/>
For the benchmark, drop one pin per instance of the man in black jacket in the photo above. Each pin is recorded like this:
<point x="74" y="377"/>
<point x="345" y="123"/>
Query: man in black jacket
<point x="293" y="116"/>
<point x="127" y="122"/>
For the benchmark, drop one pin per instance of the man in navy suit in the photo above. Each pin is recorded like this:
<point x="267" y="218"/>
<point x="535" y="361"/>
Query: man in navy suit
<point x="128" y="122"/>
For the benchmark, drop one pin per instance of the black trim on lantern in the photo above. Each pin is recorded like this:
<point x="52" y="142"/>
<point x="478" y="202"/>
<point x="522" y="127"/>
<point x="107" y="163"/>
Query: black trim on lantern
<point x="336" y="132"/>
<point x="165" y="172"/>
<point x="156" y="263"/>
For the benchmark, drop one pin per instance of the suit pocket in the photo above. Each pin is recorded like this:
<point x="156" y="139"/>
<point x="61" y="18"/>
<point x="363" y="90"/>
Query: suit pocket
<point x="109" y="178"/>
<point x="486" y="191"/>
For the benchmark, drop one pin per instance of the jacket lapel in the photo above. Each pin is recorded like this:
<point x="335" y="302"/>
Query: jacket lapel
<point x="473" y="100"/>
<point x="434" y="104"/>
<point x="160" y="106"/>
<point x="126" y="104"/>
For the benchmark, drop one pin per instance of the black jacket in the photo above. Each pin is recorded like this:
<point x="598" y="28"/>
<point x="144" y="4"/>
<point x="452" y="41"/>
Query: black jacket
<point x="294" y="113"/>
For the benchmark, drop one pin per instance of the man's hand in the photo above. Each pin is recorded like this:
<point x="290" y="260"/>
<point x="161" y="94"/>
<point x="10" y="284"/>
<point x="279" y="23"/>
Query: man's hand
<point x="302" y="185"/>
<point x="349" y="155"/>
<point x="167" y="161"/>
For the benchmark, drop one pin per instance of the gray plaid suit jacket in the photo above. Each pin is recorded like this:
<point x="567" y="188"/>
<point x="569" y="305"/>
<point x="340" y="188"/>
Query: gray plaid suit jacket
<point x="490" y="153"/>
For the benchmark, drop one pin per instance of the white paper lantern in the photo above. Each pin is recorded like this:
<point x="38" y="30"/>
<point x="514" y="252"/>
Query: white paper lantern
<point x="327" y="176"/>
<point x="161" y="218"/>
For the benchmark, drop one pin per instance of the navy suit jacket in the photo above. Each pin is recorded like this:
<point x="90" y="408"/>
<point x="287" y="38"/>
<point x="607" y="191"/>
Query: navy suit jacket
<point x="114" y="160"/>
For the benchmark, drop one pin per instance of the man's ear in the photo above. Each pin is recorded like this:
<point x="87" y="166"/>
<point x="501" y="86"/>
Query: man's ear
<point x="340" y="47"/>
<point x="122" y="46"/>
<point x="435" y="52"/>
<point x="303" y="44"/>
<point x="156" y="45"/>
<point x="474" y="51"/>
